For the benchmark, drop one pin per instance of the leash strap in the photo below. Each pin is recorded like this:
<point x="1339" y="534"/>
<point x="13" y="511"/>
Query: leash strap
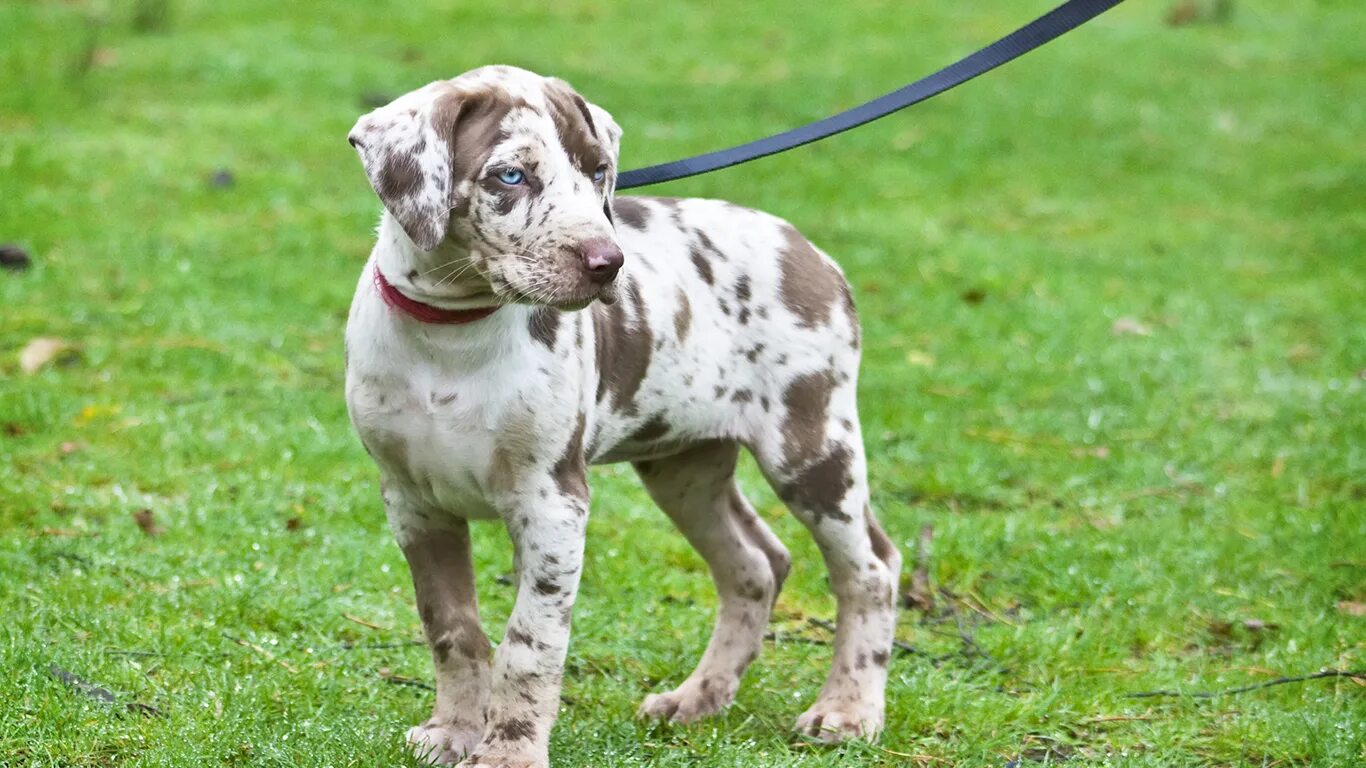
<point x="1044" y="29"/>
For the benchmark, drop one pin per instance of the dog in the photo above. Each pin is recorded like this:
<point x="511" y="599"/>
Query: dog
<point x="517" y="322"/>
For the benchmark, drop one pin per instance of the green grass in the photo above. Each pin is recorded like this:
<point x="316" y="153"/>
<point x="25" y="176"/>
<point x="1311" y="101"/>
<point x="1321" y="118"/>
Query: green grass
<point x="1116" y="507"/>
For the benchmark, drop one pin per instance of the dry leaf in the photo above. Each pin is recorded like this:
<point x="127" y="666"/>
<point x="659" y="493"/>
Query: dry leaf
<point x="147" y="522"/>
<point x="974" y="296"/>
<point x="92" y="412"/>
<point x="104" y="57"/>
<point x="1278" y="467"/>
<point x="919" y="358"/>
<point x="41" y="351"/>
<point x="1352" y="607"/>
<point x="1299" y="353"/>
<point x="1129" y="326"/>
<point x="1183" y="13"/>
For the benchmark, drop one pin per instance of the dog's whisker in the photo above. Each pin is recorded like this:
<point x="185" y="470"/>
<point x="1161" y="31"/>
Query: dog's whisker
<point x="443" y="266"/>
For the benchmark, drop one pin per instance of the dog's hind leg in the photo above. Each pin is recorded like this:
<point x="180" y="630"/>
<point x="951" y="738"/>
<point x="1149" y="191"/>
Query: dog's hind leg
<point x="815" y="461"/>
<point x="747" y="562"/>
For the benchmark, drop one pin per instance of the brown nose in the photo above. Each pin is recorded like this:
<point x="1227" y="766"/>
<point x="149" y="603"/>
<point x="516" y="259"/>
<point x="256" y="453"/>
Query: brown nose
<point x="601" y="258"/>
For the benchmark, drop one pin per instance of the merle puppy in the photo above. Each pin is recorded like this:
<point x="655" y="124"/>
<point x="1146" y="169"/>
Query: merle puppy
<point x="516" y="323"/>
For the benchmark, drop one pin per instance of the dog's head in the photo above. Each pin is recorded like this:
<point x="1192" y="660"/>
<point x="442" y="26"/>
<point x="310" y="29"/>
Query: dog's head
<point x="515" y="169"/>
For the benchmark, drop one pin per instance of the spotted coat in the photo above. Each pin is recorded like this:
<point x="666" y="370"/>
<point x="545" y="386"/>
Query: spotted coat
<point x="724" y="329"/>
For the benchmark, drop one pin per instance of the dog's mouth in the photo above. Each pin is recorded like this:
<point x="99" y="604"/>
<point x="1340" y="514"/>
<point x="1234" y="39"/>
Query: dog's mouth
<point x="547" y="292"/>
<point x="507" y="294"/>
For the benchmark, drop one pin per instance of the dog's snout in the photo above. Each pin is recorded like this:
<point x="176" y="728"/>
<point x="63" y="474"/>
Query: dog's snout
<point x="602" y="259"/>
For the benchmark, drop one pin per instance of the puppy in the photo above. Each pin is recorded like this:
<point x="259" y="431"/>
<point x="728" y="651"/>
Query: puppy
<point x="516" y="323"/>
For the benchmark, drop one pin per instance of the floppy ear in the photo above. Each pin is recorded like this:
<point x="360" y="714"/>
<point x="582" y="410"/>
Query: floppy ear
<point x="406" y="148"/>
<point x="610" y="135"/>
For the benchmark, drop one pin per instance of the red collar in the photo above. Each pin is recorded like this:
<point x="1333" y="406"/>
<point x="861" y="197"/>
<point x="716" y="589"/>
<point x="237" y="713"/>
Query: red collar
<point x="426" y="313"/>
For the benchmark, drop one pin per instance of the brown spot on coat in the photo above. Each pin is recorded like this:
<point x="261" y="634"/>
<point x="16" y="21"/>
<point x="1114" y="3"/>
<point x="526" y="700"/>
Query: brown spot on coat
<point x="810" y="285"/>
<point x="631" y="212"/>
<point x="851" y="313"/>
<point x="570" y="472"/>
<point x="574" y="127"/>
<point x="742" y="291"/>
<point x="514" y="729"/>
<point x="543" y="324"/>
<point x="683" y="317"/>
<point x="883" y="548"/>
<point x="624" y="348"/>
<point x="442" y="649"/>
<point x="807" y="400"/>
<point x="821" y="487"/>
<point x="400" y="176"/>
<point x="703" y="268"/>
<point x="652" y="429"/>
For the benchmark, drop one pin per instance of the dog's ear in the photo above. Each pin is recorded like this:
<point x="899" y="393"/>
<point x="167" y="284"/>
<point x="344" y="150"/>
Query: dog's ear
<point x="408" y="148"/>
<point x="610" y="135"/>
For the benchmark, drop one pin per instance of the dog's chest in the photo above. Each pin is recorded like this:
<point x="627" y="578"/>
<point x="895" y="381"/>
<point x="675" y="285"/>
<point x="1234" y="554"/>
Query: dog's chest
<point x="432" y="432"/>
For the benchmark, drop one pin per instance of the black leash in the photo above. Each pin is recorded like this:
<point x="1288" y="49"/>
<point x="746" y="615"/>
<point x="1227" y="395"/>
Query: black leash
<point x="1044" y="29"/>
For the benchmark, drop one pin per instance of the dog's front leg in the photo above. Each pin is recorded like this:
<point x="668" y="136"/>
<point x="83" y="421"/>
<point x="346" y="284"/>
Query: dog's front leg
<point x="547" y="537"/>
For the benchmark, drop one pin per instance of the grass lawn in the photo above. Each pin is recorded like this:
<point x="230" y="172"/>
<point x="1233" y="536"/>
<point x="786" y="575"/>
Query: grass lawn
<point x="1115" y="350"/>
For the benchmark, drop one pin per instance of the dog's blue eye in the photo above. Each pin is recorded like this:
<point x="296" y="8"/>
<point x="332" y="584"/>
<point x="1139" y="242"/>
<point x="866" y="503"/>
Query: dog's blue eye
<point x="511" y="176"/>
<point x="600" y="173"/>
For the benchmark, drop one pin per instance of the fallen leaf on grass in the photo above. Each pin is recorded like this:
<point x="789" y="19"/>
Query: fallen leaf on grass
<point x="1225" y="628"/>
<point x="1182" y="13"/>
<point x="974" y="296"/>
<point x="43" y="350"/>
<point x="1298" y="353"/>
<point x="1128" y="326"/>
<point x="1352" y="607"/>
<point x="363" y="622"/>
<point x="918" y="358"/>
<point x="147" y="522"/>
<point x="92" y="412"/>
<point x="293" y="524"/>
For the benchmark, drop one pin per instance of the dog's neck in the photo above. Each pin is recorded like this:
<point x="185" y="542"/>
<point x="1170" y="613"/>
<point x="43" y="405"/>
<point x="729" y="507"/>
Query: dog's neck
<point x="443" y="277"/>
<point x="471" y="346"/>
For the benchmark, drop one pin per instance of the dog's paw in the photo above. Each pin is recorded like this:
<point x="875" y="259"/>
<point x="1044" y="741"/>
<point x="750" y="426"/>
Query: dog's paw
<point x="838" y="721"/>
<point x="688" y="702"/>
<point x="506" y="760"/>
<point x="443" y="743"/>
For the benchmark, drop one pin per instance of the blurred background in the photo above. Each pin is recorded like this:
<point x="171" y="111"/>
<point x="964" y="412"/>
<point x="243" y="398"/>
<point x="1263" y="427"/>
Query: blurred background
<point x="1112" y="387"/>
